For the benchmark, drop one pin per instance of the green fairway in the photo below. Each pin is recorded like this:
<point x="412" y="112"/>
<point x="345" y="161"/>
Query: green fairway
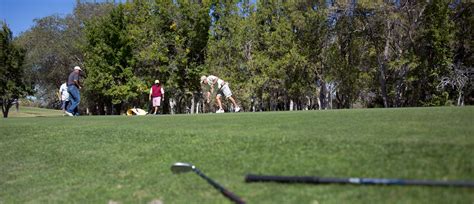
<point x="24" y="111"/>
<point x="127" y="159"/>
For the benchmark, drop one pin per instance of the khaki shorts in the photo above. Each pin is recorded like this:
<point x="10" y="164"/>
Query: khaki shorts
<point x="156" y="101"/>
<point x="225" y="90"/>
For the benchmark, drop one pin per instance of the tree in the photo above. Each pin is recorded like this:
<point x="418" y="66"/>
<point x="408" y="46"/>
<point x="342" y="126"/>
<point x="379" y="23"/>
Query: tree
<point x="190" y="26"/>
<point x="109" y="63"/>
<point x="403" y="61"/>
<point x="345" y="56"/>
<point x="464" y="50"/>
<point x="12" y="83"/>
<point x="47" y="57"/>
<point x="54" y="46"/>
<point x="309" y="20"/>
<point x="379" y="53"/>
<point x="229" y="48"/>
<point x="435" y="52"/>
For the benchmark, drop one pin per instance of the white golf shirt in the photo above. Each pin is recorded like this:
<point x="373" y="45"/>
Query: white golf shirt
<point x="211" y="79"/>
<point x="63" y="92"/>
<point x="222" y="86"/>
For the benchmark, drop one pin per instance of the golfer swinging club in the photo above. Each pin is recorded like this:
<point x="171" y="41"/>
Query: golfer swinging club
<point x="222" y="89"/>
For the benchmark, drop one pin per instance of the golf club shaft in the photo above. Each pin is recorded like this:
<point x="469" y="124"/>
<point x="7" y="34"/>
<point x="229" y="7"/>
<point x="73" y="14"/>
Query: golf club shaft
<point x="224" y="191"/>
<point x="361" y="181"/>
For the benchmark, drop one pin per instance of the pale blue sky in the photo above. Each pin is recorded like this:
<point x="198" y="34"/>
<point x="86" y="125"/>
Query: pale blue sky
<point x="19" y="14"/>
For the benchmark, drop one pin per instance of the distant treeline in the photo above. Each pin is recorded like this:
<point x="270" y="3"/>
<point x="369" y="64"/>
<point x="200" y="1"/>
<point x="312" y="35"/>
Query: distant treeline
<point x="276" y="55"/>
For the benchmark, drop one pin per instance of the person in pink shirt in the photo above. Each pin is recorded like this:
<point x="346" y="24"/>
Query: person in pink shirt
<point x="157" y="93"/>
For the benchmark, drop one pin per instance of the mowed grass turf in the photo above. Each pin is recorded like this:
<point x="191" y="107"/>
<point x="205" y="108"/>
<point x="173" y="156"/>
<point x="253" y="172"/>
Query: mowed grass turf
<point x="25" y="111"/>
<point x="127" y="159"/>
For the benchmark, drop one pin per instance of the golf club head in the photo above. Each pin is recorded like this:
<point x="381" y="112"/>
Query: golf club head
<point x="181" y="167"/>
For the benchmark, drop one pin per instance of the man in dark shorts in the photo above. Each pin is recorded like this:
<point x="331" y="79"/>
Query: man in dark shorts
<point x="73" y="86"/>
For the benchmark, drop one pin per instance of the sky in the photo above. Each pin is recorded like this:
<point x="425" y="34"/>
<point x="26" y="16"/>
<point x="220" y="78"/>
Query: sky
<point x="19" y="14"/>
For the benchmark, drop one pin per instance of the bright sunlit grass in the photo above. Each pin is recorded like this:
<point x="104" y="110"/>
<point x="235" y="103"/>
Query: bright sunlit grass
<point x="127" y="159"/>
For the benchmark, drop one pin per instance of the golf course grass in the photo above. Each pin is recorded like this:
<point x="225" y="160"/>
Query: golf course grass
<point x="102" y="159"/>
<point x="25" y="111"/>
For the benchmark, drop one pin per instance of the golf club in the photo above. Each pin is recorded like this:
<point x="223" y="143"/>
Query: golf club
<point x="180" y="167"/>
<point x="360" y="181"/>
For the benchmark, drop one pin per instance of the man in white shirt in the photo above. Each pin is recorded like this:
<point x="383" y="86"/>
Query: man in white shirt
<point x="64" y="96"/>
<point x="222" y="89"/>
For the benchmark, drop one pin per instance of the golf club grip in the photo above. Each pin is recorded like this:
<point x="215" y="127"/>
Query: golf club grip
<point x="363" y="181"/>
<point x="469" y="184"/>
<point x="232" y="197"/>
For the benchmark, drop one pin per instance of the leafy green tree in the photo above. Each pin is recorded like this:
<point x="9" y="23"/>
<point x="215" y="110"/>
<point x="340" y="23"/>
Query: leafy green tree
<point x="309" y="19"/>
<point x="48" y="56"/>
<point x="436" y="55"/>
<point x="12" y="83"/>
<point x="230" y="46"/>
<point x="463" y="58"/>
<point x="149" y="48"/>
<point x="54" y="45"/>
<point x="147" y="40"/>
<point x="403" y="60"/>
<point x="344" y="59"/>
<point x="278" y="60"/>
<point x="291" y="66"/>
<point x="274" y="53"/>
<point x="187" y="43"/>
<point x="109" y="62"/>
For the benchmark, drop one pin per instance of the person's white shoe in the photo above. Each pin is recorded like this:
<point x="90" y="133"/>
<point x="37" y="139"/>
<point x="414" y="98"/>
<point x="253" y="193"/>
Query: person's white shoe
<point x="237" y="109"/>
<point x="220" y="111"/>
<point x="68" y="113"/>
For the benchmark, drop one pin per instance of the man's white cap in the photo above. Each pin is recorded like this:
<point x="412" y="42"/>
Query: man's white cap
<point x="203" y="78"/>
<point x="157" y="81"/>
<point x="77" y="68"/>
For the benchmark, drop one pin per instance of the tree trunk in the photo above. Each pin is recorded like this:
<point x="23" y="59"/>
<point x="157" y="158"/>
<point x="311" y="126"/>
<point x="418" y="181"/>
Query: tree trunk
<point x="308" y="103"/>
<point x="5" y="113"/>
<point x="460" y="101"/>
<point x="192" y="104"/>
<point x="383" y="84"/>
<point x="400" y="86"/>
<point x="117" y="109"/>
<point x="6" y="105"/>
<point x="109" y="108"/>
<point x="172" y="105"/>
<point x="164" y="107"/>
<point x="328" y="96"/>
<point x="101" y="108"/>
<point x="382" y="67"/>
<point x="252" y="106"/>
<point x="198" y="104"/>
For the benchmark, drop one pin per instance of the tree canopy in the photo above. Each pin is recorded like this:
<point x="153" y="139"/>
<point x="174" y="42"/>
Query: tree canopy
<point x="277" y="55"/>
<point x="12" y="81"/>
